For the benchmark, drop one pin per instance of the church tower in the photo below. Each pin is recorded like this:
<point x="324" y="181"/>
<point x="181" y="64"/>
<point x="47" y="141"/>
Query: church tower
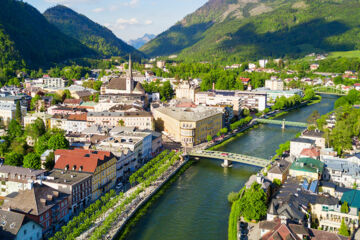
<point x="129" y="78"/>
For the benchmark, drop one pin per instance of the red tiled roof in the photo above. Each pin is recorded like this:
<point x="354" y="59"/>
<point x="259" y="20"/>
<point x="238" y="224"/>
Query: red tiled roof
<point x="73" y="101"/>
<point x="245" y="79"/>
<point x="357" y="84"/>
<point x="87" y="159"/>
<point x="310" y="152"/>
<point x="77" y="117"/>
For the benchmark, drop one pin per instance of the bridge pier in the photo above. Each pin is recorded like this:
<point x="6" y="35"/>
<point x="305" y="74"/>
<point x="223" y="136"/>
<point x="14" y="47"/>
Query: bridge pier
<point x="283" y="124"/>
<point x="226" y="164"/>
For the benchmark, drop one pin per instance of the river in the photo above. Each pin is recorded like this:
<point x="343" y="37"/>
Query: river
<point x="195" y="207"/>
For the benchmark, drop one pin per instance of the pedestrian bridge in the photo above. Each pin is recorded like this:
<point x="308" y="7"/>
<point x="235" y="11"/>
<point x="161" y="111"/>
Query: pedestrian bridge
<point x="230" y="157"/>
<point x="283" y="123"/>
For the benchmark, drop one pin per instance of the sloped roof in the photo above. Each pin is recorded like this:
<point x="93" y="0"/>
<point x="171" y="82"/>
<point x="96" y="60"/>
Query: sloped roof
<point x="10" y="224"/>
<point x="81" y="159"/>
<point x="308" y="165"/>
<point x="34" y="201"/>
<point x="310" y="152"/>
<point x="352" y="197"/>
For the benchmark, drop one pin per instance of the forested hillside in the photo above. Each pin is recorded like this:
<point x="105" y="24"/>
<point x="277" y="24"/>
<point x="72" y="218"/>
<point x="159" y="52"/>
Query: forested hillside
<point x="26" y="37"/>
<point x="232" y="30"/>
<point x="91" y="34"/>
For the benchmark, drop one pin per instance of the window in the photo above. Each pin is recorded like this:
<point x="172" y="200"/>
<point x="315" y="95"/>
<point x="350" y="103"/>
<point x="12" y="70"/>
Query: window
<point x="41" y="218"/>
<point x="24" y="231"/>
<point x="33" y="226"/>
<point x="47" y="214"/>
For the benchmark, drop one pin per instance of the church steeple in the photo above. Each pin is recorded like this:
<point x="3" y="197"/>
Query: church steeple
<point x="129" y="78"/>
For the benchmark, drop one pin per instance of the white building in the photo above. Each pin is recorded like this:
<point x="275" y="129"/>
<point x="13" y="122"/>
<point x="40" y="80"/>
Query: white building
<point x="263" y="62"/>
<point x="185" y="90"/>
<point x="7" y="111"/>
<point x="298" y="144"/>
<point x="74" y="123"/>
<point x="274" y="84"/>
<point x="49" y="82"/>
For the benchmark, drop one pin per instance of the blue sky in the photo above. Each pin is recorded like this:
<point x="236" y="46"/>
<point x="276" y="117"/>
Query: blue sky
<point x="129" y="19"/>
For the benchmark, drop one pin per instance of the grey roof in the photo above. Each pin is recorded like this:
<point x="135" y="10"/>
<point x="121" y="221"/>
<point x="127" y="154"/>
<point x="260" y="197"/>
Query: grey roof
<point x="34" y="201"/>
<point x="303" y="140"/>
<point x="21" y="171"/>
<point x="66" y="177"/>
<point x="313" y="133"/>
<point x="343" y="165"/>
<point x="189" y="114"/>
<point x="10" y="224"/>
<point x="280" y="167"/>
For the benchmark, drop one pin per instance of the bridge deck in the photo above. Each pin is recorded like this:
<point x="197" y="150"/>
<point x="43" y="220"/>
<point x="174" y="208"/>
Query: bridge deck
<point x="234" y="157"/>
<point x="280" y="122"/>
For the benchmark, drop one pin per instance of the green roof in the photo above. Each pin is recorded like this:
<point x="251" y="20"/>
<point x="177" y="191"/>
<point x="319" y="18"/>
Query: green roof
<point x="352" y="197"/>
<point x="308" y="165"/>
<point x="88" y="104"/>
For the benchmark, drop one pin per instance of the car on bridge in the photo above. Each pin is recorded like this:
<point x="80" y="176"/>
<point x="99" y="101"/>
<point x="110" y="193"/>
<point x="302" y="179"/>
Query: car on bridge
<point x="224" y="154"/>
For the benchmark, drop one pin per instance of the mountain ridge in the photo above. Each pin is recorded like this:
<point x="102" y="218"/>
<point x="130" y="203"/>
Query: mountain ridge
<point x="93" y="35"/>
<point x="139" y="42"/>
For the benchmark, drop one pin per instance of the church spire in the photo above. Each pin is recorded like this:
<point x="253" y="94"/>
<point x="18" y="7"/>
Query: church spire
<point x="130" y="66"/>
<point x="129" y="78"/>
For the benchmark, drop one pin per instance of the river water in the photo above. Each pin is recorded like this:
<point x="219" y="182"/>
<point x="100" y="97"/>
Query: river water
<point x="195" y="207"/>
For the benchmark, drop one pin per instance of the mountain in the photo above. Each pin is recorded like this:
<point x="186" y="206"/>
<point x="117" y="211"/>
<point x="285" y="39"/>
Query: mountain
<point x="26" y="35"/>
<point x="91" y="34"/>
<point x="138" y="43"/>
<point x="233" y="30"/>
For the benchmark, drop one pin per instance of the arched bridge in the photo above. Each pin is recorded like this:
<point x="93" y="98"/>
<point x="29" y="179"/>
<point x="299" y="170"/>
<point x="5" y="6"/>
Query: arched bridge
<point x="230" y="157"/>
<point x="283" y="123"/>
<point x="329" y="90"/>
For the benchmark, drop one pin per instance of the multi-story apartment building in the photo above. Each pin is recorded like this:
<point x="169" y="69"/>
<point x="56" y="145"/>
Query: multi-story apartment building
<point x="77" y="184"/>
<point x="49" y="82"/>
<point x="74" y="123"/>
<point x="274" y="84"/>
<point x="141" y="120"/>
<point x="237" y="99"/>
<point x="100" y="164"/>
<point x="31" y="117"/>
<point x="42" y="204"/>
<point x="189" y="126"/>
<point x="15" y="179"/>
<point x="272" y="95"/>
<point x="341" y="171"/>
<point x="7" y="112"/>
<point x="186" y="90"/>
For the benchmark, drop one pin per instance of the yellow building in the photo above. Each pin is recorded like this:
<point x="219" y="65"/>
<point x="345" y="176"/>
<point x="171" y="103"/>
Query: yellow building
<point x="189" y="126"/>
<point x="101" y="164"/>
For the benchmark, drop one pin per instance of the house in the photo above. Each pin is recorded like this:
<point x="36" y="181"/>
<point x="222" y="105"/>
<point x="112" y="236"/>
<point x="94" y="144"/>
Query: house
<point x="314" y="66"/>
<point x="100" y="164"/>
<point x="72" y="102"/>
<point x="332" y="189"/>
<point x="264" y="182"/>
<point x="357" y="86"/>
<point x="17" y="226"/>
<point x="279" y="170"/>
<point x="352" y="197"/>
<point x="328" y="212"/>
<point x="77" y="184"/>
<point x="14" y="179"/>
<point x="271" y="230"/>
<point x="298" y="144"/>
<point x="42" y="204"/>
<point x="311" y="153"/>
<point x="341" y="171"/>
<point x="245" y="81"/>
<point x="316" y="135"/>
<point x="75" y="123"/>
<point x="307" y="168"/>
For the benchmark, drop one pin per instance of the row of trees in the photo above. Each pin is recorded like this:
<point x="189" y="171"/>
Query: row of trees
<point x="86" y="219"/>
<point x="165" y="89"/>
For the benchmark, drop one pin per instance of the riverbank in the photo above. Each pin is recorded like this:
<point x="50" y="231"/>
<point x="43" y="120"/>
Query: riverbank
<point x="142" y="209"/>
<point x="122" y="221"/>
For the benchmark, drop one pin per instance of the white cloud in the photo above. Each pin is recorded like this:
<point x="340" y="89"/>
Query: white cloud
<point x="148" y="22"/>
<point x="131" y="3"/>
<point x="98" y="10"/>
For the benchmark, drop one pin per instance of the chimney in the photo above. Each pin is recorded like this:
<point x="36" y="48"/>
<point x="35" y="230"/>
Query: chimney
<point x="50" y="197"/>
<point x="43" y="200"/>
<point x="56" y="193"/>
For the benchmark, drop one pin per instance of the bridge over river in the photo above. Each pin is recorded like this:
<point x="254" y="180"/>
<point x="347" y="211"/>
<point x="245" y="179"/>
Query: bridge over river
<point x="283" y="123"/>
<point x="230" y="157"/>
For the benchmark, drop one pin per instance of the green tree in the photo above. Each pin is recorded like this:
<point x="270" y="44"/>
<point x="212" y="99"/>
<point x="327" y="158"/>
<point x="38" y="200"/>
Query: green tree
<point x="18" y="114"/>
<point x="344" y="207"/>
<point x="58" y="141"/>
<point x="33" y="102"/>
<point x="32" y="160"/>
<point x="121" y="123"/>
<point x="14" y="159"/>
<point x="277" y="182"/>
<point x="314" y="116"/>
<point x="42" y="144"/>
<point x="246" y="112"/>
<point x="209" y="138"/>
<point x="253" y="203"/>
<point x="218" y="134"/>
<point x="50" y="162"/>
<point x="14" y="129"/>
<point x="233" y="196"/>
<point x="343" y="230"/>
